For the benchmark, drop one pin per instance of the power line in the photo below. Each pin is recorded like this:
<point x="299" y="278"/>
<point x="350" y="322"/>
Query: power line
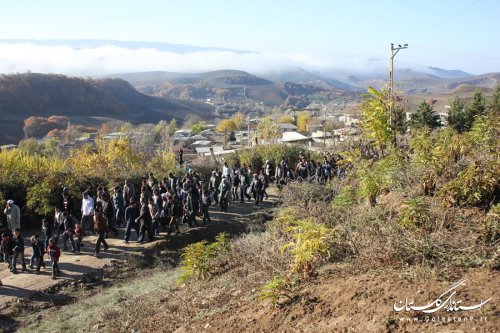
<point x="446" y="20"/>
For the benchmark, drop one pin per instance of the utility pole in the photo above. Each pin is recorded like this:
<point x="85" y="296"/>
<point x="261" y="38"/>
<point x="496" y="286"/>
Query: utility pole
<point x="394" y="51"/>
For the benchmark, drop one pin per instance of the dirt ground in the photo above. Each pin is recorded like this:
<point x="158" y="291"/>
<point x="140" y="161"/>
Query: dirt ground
<point x="343" y="298"/>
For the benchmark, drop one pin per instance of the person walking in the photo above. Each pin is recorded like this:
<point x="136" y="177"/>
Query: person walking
<point x="154" y="210"/>
<point x="145" y="221"/>
<point x="87" y="212"/>
<point x="37" y="254"/>
<point x="101" y="228"/>
<point x="128" y="192"/>
<point x="119" y="205"/>
<point x="78" y="237"/>
<point x="224" y="193"/>
<point x="69" y="227"/>
<point x="18" y="251"/>
<point x="13" y="215"/>
<point x="54" y="255"/>
<point x="206" y="202"/>
<point x="131" y="214"/>
<point x="174" y="207"/>
<point x="6" y="248"/>
<point x="256" y="187"/>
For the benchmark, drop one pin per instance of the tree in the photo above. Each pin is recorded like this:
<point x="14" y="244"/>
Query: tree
<point x="476" y="108"/>
<point x="494" y="106"/>
<point x="239" y="121"/>
<point x="226" y="125"/>
<point x="268" y="129"/>
<point x="197" y="127"/>
<point x="285" y="119"/>
<point x="375" y="117"/>
<point x="399" y="123"/>
<point x="303" y="119"/>
<point x="425" y="117"/>
<point x="173" y="126"/>
<point x="456" y="117"/>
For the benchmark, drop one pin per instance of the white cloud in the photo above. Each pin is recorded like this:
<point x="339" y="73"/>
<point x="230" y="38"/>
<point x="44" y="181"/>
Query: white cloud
<point x="111" y="59"/>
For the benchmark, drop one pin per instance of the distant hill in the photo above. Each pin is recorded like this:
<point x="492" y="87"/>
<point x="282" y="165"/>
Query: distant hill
<point x="83" y="101"/>
<point x="447" y="74"/>
<point x="233" y="84"/>
<point x="419" y="82"/>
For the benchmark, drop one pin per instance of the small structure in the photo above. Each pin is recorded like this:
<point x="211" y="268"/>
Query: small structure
<point x="295" y="137"/>
<point x="287" y="127"/>
<point x="201" y="143"/>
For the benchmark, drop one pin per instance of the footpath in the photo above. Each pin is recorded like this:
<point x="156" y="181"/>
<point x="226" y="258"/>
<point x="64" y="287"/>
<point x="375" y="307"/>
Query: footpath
<point x="75" y="266"/>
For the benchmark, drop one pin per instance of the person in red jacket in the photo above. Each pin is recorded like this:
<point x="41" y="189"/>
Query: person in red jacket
<point x="54" y="254"/>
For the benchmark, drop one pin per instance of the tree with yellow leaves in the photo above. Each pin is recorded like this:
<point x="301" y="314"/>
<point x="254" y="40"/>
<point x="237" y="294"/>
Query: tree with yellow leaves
<point x="303" y="119"/>
<point x="226" y="125"/>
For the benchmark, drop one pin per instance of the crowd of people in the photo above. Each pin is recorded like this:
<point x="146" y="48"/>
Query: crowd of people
<point x="145" y="210"/>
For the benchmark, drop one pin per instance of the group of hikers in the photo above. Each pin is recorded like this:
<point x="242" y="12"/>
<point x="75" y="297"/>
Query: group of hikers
<point x="153" y="206"/>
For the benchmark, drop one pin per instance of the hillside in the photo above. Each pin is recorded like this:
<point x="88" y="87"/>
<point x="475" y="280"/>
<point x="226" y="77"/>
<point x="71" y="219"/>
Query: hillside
<point x="234" y="85"/>
<point x="83" y="101"/>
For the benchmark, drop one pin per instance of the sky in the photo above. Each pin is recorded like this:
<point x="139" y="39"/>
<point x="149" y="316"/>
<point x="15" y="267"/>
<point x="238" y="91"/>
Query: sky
<point x="314" y="34"/>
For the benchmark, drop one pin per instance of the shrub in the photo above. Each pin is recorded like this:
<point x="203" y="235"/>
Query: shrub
<point x="345" y="198"/>
<point x="380" y="177"/>
<point x="478" y="184"/>
<point x="415" y="213"/>
<point x="308" y="243"/>
<point x="275" y="289"/>
<point x="198" y="260"/>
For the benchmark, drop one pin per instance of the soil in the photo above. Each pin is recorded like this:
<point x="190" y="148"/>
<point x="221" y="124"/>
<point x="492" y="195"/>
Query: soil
<point x="343" y="298"/>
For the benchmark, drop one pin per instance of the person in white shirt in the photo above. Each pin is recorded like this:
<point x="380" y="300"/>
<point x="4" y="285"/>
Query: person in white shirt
<point x="87" y="212"/>
<point x="226" y="170"/>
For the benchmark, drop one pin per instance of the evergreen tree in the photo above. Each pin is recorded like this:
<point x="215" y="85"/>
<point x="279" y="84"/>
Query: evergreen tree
<point x="456" y="117"/>
<point x="494" y="106"/>
<point x="400" y="125"/>
<point x="476" y="108"/>
<point x="425" y="117"/>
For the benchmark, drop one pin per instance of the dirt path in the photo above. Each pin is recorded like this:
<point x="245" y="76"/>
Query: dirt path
<point x="75" y="266"/>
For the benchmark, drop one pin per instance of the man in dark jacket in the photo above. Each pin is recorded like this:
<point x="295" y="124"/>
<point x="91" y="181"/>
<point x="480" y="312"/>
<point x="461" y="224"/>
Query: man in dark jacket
<point x="118" y="205"/>
<point x="131" y="214"/>
<point x="145" y="221"/>
<point x="69" y="228"/>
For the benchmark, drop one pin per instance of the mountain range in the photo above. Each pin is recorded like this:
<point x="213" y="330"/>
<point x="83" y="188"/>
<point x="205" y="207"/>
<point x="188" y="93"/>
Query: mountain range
<point x="87" y="102"/>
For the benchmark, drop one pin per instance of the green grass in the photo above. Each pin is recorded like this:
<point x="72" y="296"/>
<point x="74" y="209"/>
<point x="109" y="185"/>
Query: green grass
<point x="81" y="316"/>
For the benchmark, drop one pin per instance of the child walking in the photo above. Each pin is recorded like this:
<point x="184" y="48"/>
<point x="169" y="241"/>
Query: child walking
<point x="54" y="254"/>
<point x="18" y="250"/>
<point x="78" y="237"/>
<point x="38" y="251"/>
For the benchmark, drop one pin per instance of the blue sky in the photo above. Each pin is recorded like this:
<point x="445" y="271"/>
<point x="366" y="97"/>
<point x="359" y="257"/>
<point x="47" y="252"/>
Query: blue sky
<point x="452" y="34"/>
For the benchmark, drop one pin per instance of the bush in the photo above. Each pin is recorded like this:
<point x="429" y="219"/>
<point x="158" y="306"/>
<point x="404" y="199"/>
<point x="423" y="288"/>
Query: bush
<point x="477" y="185"/>
<point x="275" y="289"/>
<point x="198" y="260"/>
<point x="415" y="214"/>
<point x="307" y="242"/>
<point x="380" y="176"/>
